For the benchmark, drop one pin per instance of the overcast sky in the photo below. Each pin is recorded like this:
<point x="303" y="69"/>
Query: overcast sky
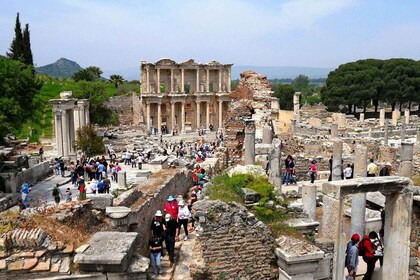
<point x="117" y="35"/>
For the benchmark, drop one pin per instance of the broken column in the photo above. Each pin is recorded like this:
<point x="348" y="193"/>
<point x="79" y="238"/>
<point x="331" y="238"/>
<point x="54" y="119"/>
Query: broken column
<point x="122" y="179"/>
<point x="334" y="130"/>
<point x="407" y="116"/>
<point x="358" y="200"/>
<point x="296" y="106"/>
<point x="395" y="115"/>
<point x="418" y="138"/>
<point x="293" y="126"/>
<point x="382" y="117"/>
<point x="267" y="134"/>
<point x="362" y="117"/>
<point x="274" y="158"/>
<point x="309" y="200"/>
<point x="249" y="141"/>
<point x="386" y="133"/>
<point x="402" y="129"/>
<point x="406" y="158"/>
<point x="337" y="167"/>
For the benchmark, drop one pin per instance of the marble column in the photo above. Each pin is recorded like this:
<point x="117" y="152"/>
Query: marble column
<point x="407" y="116"/>
<point x="296" y="106"/>
<point x="267" y="135"/>
<point x="183" y="117"/>
<point x="207" y="114"/>
<point x="293" y="126"/>
<point x="148" y="115"/>
<point x="358" y="200"/>
<point x="249" y="142"/>
<point x="198" y="114"/>
<point x="87" y="116"/>
<point x="182" y="81"/>
<point x="147" y="79"/>
<point x="229" y="81"/>
<point x="172" y="115"/>
<point x="309" y="200"/>
<point x="65" y="131"/>
<point x="337" y="167"/>
<point x="197" y="89"/>
<point x="158" y="80"/>
<point x="406" y="158"/>
<point x="362" y="117"/>
<point x="220" y="113"/>
<point x="382" y="117"/>
<point x="334" y="130"/>
<point x="207" y="80"/>
<point x="395" y="115"/>
<point x="172" y="80"/>
<point x="220" y="80"/>
<point x="159" y="117"/>
<point x="386" y="133"/>
<point x="58" y="131"/>
<point x="403" y="122"/>
<point x="76" y="118"/>
<point x="82" y="119"/>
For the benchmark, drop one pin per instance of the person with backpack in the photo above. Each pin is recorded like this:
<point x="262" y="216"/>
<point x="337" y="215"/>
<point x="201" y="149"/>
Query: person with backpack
<point x="352" y="257"/>
<point x="367" y="251"/>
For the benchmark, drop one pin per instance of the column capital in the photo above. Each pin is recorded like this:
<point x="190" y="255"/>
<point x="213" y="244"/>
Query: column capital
<point x="58" y="112"/>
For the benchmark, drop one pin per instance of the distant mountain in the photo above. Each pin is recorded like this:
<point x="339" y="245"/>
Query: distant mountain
<point x="62" y="68"/>
<point x="283" y="72"/>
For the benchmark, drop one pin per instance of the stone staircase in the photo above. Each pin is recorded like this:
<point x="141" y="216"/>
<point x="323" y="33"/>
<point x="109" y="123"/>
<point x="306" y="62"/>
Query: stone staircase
<point x="167" y="270"/>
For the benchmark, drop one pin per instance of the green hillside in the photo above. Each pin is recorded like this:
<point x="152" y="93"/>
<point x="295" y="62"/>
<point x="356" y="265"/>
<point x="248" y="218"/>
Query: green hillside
<point x="62" y="68"/>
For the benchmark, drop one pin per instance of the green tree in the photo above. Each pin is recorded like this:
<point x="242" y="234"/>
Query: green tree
<point x="89" y="142"/>
<point x="116" y="80"/>
<point x="285" y="92"/>
<point x="27" y="52"/>
<point x="16" y="48"/>
<point x="301" y="83"/>
<point x="91" y="73"/>
<point x="17" y="90"/>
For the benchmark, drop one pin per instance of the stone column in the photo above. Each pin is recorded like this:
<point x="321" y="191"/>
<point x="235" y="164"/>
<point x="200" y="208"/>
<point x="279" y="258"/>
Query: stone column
<point x="65" y="131"/>
<point x="418" y="138"/>
<point x="147" y="79"/>
<point x="403" y="122"/>
<point x="172" y="80"/>
<point x="122" y="179"/>
<point x="183" y="117"/>
<point x="76" y="118"/>
<point x="229" y="81"/>
<point x="293" y="126"/>
<point x="87" y="117"/>
<point x="296" y="106"/>
<point x="220" y="80"/>
<point x="406" y="158"/>
<point x="148" y="115"/>
<point x="198" y="114"/>
<point x="220" y="113"/>
<point x="370" y="133"/>
<point x="382" y="117"/>
<point x="207" y="80"/>
<point x="82" y="119"/>
<point x="358" y="200"/>
<point x="182" y="81"/>
<point x="267" y="135"/>
<point x="309" y="200"/>
<point x="334" y="130"/>
<point x="386" y="133"/>
<point x="249" y="143"/>
<point x="362" y="117"/>
<point x="395" y="115"/>
<point x="207" y="114"/>
<point x="274" y="158"/>
<point x="159" y="117"/>
<point x="337" y="167"/>
<point x="198" y="80"/>
<point x="58" y="131"/>
<point x="407" y="116"/>
<point x="172" y="115"/>
<point x="158" y="80"/>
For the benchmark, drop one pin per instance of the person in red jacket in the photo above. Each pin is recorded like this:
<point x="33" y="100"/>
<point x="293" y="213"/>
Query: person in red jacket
<point x="368" y="256"/>
<point x="171" y="207"/>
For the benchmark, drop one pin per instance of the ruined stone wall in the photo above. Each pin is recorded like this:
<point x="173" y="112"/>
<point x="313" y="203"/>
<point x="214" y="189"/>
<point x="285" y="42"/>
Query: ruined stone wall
<point x="415" y="243"/>
<point x="138" y="116"/>
<point x="233" y="243"/>
<point x="123" y="105"/>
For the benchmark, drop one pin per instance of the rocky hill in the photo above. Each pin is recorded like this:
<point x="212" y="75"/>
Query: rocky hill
<point x="62" y="68"/>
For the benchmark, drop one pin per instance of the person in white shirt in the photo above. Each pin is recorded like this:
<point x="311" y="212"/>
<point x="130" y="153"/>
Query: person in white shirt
<point x="183" y="216"/>
<point x="348" y="172"/>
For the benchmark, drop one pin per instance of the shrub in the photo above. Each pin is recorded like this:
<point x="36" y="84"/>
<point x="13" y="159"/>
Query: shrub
<point x="261" y="186"/>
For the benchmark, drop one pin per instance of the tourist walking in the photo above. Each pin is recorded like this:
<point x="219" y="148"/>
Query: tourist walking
<point x="56" y="193"/>
<point x="386" y="170"/>
<point x="171" y="236"/>
<point x="348" y="172"/>
<point x="171" y="207"/>
<point x="25" y="189"/>
<point x="184" y="215"/>
<point x="372" y="169"/>
<point x="313" y="170"/>
<point x="155" y="246"/>
<point x="352" y="257"/>
<point x="367" y="252"/>
<point x="68" y="195"/>
<point x="41" y="153"/>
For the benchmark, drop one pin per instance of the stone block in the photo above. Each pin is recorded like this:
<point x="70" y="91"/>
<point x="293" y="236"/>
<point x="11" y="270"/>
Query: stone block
<point x="30" y="263"/>
<point x="65" y="265"/>
<point x="16" y="265"/>
<point x="2" y="264"/>
<point x="101" y="201"/>
<point x="82" y="248"/>
<point x="108" y="252"/>
<point x="250" y="196"/>
<point x="42" y="266"/>
<point x="406" y="151"/>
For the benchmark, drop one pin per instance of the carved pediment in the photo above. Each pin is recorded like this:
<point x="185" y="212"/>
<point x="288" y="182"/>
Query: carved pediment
<point x="214" y="63"/>
<point x="165" y="62"/>
<point x="189" y="62"/>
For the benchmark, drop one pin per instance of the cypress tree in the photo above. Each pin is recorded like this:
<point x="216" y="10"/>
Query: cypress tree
<point x="16" y="48"/>
<point x="27" y="53"/>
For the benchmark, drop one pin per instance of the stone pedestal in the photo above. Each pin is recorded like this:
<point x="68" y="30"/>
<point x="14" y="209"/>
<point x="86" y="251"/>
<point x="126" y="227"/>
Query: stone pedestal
<point x="249" y="142"/>
<point x="309" y="200"/>
<point x="382" y="117"/>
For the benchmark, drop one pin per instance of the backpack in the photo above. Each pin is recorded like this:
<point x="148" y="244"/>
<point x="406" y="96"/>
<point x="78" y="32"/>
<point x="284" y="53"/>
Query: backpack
<point x="361" y="247"/>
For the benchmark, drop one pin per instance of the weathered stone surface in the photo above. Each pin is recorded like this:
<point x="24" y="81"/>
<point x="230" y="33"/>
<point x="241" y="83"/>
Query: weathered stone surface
<point x="82" y="248"/>
<point x="250" y="196"/>
<point x="16" y="265"/>
<point x="108" y="251"/>
<point x="101" y="201"/>
<point x="42" y="266"/>
<point x="255" y="170"/>
<point x="30" y="263"/>
<point x="68" y="249"/>
<point x="117" y="212"/>
<point x="65" y="265"/>
<point x="2" y="264"/>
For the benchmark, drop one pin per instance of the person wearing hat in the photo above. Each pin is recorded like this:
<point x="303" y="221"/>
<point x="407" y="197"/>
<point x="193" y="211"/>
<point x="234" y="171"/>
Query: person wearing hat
<point x="184" y="215"/>
<point x="171" y="235"/>
<point x="386" y="170"/>
<point x="352" y="256"/>
<point x="171" y="207"/>
<point x="157" y="225"/>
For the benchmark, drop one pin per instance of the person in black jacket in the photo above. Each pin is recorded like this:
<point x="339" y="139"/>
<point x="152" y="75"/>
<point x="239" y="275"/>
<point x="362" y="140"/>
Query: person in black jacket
<point x="171" y="236"/>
